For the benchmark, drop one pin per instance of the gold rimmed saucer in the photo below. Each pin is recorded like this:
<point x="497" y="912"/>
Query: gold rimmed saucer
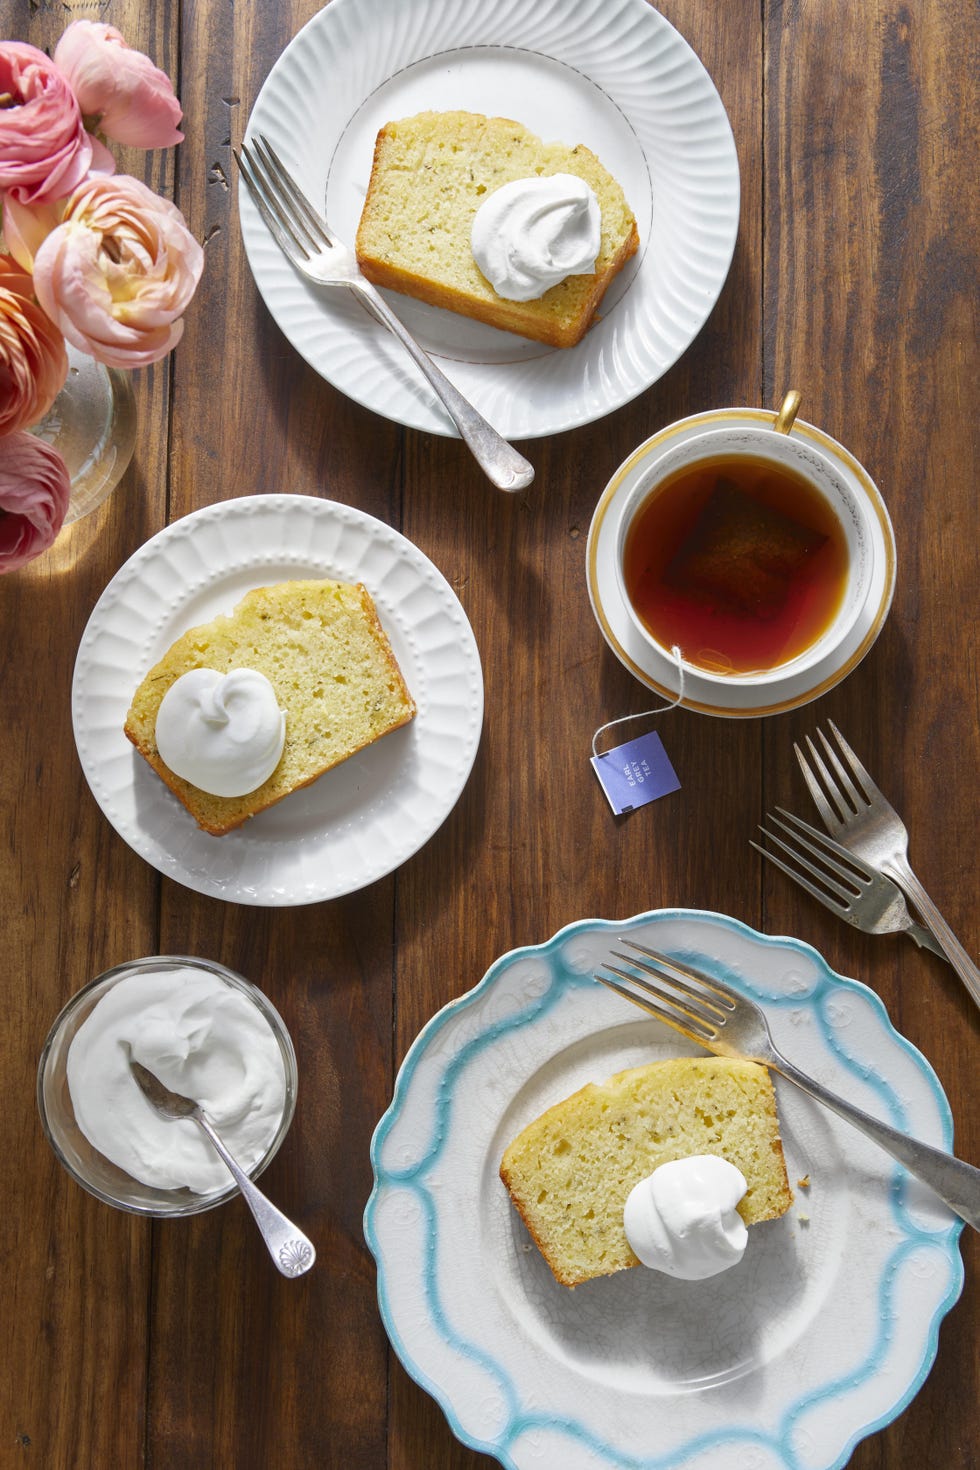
<point x="738" y="699"/>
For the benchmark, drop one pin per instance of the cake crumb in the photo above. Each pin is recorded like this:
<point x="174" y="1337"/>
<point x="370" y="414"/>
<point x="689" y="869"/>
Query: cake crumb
<point x="803" y="1183"/>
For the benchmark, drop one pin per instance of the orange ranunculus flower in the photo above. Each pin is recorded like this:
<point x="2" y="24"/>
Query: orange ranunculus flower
<point x="33" y="362"/>
<point x="116" y="275"/>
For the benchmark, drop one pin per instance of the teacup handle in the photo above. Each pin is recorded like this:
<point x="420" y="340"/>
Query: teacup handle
<point x="789" y="408"/>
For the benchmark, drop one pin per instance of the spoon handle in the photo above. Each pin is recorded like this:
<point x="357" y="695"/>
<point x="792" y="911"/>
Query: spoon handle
<point x="292" y="1252"/>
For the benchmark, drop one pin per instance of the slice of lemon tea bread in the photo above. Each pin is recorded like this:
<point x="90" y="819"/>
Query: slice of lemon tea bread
<point x="431" y="173"/>
<point x="322" y="647"/>
<point x="570" y="1171"/>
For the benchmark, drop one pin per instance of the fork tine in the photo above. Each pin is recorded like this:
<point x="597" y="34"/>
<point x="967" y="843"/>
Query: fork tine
<point x="832" y="818"/>
<point x="704" y="1006"/>
<point x="701" y="1008"/>
<point x="269" y="206"/>
<point x="847" y="877"/>
<point x="857" y="798"/>
<point x="840" y="857"/>
<point x="283" y="205"/>
<point x="662" y="1008"/>
<point x="309" y="218"/>
<point x="691" y="982"/>
<point x="871" y="790"/>
<point x="285" y="242"/>
<point x="823" y="895"/>
<point x="829" y="884"/>
<point x="830" y="784"/>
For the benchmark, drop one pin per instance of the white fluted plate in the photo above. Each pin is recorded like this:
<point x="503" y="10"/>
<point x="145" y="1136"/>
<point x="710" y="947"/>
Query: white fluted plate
<point x="820" y="1335"/>
<point x="360" y="820"/>
<point x="612" y="74"/>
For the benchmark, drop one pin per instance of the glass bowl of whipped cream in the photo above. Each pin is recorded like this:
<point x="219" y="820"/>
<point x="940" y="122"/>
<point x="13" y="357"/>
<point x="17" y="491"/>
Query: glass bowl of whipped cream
<point x="207" y="1033"/>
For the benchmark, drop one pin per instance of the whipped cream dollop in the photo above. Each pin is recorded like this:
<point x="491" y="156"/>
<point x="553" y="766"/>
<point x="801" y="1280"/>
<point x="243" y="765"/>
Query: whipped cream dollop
<point x="222" y="732"/>
<point x="682" y="1218"/>
<point x="202" y="1038"/>
<point x="531" y="233"/>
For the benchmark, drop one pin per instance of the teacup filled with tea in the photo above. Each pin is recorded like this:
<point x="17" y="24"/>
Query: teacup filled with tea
<point x="743" y="553"/>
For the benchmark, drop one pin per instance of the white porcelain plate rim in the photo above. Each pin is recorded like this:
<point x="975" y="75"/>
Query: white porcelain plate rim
<point x="471" y="1309"/>
<point x="618" y="76"/>
<point x="362" y="819"/>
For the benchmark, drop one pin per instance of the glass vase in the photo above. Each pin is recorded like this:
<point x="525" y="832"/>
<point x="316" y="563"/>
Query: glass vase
<point x="92" y="423"/>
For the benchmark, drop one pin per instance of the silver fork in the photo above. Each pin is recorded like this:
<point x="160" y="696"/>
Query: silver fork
<point x="859" y="817"/>
<point x="306" y="239"/>
<point x="841" y="881"/>
<point x="717" y="1017"/>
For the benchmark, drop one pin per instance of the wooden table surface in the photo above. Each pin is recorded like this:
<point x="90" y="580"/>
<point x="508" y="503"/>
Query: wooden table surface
<point x="175" y="1345"/>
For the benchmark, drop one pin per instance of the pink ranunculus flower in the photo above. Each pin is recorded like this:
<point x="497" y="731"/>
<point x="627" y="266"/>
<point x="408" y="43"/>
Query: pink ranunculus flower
<point x="118" y="272"/>
<point x="33" y="361"/>
<point x="133" y="100"/>
<point x="44" y="148"/>
<point x="34" y="491"/>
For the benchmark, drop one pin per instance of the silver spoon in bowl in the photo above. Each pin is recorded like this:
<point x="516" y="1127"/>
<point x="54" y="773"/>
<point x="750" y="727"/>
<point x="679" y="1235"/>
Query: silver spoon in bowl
<point x="292" y="1252"/>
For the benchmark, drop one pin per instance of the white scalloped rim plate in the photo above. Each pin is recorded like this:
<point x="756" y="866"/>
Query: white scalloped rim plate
<point x="359" y="821"/>
<point x="612" y="74"/>
<point x="822" y="1333"/>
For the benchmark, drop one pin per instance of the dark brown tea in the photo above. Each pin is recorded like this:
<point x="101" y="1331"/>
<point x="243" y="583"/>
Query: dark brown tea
<point x="738" y="561"/>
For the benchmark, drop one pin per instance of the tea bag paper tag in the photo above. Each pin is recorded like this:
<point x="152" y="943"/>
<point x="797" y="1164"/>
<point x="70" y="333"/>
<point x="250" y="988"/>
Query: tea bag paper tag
<point x="635" y="773"/>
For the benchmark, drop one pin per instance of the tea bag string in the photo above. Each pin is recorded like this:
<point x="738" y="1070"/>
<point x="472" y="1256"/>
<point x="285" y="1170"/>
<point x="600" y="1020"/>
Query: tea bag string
<point x="644" y="713"/>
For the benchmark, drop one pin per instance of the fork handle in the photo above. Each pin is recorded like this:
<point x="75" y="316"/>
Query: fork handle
<point x="499" y="460"/>
<point x="925" y="939"/>
<point x="898" y="870"/>
<point x="955" y="1182"/>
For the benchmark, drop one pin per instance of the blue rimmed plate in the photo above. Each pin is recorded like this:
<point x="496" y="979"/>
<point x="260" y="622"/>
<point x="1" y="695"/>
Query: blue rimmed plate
<point x="782" y="1363"/>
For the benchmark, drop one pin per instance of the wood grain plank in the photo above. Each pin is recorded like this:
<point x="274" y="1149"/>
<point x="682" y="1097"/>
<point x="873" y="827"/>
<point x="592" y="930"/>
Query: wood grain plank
<point x="871" y="276"/>
<point x="249" y="415"/>
<point x="290" y="1372"/>
<point x="77" y="900"/>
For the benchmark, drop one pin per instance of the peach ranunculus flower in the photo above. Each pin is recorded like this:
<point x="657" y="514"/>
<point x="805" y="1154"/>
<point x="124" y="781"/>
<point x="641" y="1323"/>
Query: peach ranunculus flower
<point x="25" y="227"/>
<point x="34" y="491"/>
<point x="133" y="100"/>
<point x="33" y="361"/>
<point x="44" y="148"/>
<point x="118" y="272"/>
